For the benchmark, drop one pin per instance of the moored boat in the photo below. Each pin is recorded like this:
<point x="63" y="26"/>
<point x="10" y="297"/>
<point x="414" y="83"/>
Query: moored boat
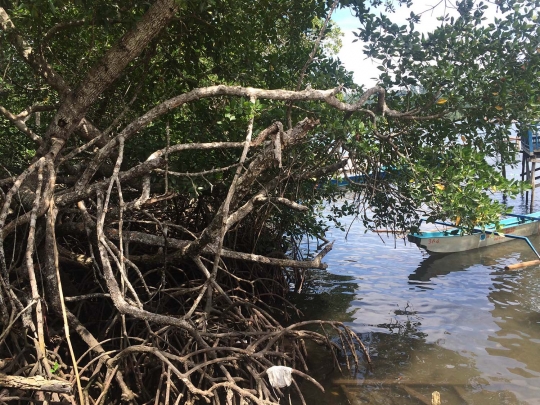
<point x="451" y="240"/>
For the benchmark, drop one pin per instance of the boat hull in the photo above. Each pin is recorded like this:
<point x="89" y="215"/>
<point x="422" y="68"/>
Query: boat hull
<point x="445" y="242"/>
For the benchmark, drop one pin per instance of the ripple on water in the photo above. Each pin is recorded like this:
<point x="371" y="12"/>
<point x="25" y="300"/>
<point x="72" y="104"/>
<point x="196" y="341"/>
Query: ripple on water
<point x="455" y="322"/>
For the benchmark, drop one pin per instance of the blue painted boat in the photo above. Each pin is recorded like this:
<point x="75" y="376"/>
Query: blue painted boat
<point x="451" y="240"/>
<point x="359" y="178"/>
<point x="344" y="181"/>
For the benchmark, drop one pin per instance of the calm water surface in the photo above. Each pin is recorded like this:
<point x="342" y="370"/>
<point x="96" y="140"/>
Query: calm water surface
<point x="459" y="324"/>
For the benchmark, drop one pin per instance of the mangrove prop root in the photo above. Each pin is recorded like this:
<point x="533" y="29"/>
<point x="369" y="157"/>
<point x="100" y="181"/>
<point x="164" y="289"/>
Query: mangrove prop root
<point x="120" y="297"/>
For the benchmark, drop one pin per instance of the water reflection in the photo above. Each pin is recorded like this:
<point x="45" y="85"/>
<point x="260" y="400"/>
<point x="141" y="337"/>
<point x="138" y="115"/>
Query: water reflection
<point x="458" y="323"/>
<point x="324" y="291"/>
<point x="502" y="336"/>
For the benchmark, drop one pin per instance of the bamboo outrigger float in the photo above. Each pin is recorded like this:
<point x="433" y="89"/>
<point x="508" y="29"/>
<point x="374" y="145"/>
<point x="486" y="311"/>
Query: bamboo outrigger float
<point x="452" y="240"/>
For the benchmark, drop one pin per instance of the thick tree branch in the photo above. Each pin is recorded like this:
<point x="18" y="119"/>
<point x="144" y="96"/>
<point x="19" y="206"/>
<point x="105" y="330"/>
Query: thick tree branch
<point x="327" y="96"/>
<point x="381" y="105"/>
<point x="181" y="245"/>
<point x="27" y="112"/>
<point x="104" y="73"/>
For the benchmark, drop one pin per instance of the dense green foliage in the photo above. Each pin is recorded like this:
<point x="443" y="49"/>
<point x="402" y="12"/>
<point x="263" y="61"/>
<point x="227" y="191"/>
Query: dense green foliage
<point x="245" y="43"/>
<point x="481" y="73"/>
<point x="478" y="76"/>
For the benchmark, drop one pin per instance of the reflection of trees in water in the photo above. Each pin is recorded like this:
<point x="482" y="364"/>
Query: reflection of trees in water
<point x="406" y="324"/>
<point x="326" y="296"/>
<point x="402" y="355"/>
<point x="407" y="368"/>
<point x="516" y="311"/>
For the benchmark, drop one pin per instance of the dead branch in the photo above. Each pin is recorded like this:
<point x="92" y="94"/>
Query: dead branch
<point x="37" y="383"/>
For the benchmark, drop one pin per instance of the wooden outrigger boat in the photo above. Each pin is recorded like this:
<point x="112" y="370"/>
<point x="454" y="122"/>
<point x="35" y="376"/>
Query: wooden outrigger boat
<point x="451" y="240"/>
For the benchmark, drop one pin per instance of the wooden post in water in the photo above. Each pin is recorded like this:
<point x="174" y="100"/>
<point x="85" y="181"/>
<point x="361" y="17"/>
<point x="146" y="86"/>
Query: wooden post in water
<point x="435" y="398"/>
<point x="530" y="152"/>
<point x="525" y="175"/>
<point x="523" y="162"/>
<point x="533" y="182"/>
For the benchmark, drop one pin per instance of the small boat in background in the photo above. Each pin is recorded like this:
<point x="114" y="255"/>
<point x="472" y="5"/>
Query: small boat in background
<point x="452" y="240"/>
<point x="345" y="181"/>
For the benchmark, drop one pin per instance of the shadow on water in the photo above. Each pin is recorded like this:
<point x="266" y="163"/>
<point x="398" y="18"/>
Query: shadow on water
<point x="328" y="293"/>
<point x="458" y="324"/>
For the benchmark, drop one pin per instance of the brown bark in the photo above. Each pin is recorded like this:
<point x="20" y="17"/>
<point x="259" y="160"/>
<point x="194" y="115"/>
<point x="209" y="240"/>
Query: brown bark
<point x="112" y="65"/>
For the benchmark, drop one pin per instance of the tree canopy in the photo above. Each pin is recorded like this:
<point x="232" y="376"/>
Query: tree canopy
<point x="480" y="76"/>
<point x="161" y="161"/>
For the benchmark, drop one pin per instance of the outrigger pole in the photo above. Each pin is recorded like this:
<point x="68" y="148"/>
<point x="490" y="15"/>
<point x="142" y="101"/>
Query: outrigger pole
<point x="527" y="217"/>
<point x="529" y="263"/>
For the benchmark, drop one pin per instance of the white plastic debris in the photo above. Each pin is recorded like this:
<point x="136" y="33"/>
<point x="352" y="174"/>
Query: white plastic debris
<point x="279" y="376"/>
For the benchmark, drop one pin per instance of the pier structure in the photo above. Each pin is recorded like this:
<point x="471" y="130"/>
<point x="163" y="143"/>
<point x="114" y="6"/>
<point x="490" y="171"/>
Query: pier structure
<point x="530" y="159"/>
